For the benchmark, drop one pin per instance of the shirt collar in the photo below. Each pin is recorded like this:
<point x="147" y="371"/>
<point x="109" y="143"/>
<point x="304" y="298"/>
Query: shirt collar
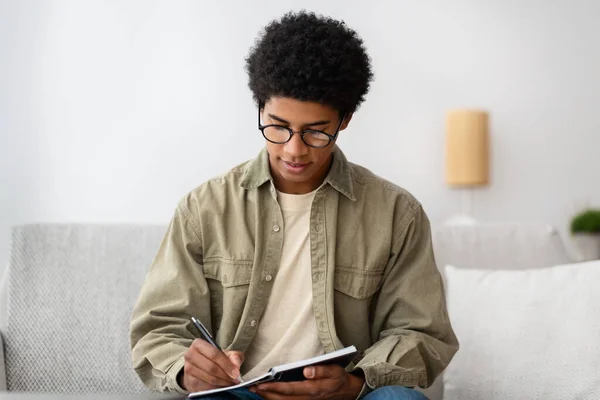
<point x="257" y="173"/>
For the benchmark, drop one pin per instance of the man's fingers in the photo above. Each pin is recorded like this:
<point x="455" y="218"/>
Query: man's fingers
<point x="300" y="388"/>
<point x="324" y="372"/>
<point x="192" y="384"/>
<point x="205" y="370"/>
<point x="236" y="357"/>
<point x="278" y="396"/>
<point x="208" y="366"/>
<point x="286" y="391"/>
<point x="199" y="377"/>
<point x="216" y="356"/>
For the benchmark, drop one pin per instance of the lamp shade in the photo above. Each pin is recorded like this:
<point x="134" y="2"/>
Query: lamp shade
<point x="467" y="148"/>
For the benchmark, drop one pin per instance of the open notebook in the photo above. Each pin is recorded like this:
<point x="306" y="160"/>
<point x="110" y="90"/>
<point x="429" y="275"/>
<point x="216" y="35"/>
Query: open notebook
<point x="290" y="372"/>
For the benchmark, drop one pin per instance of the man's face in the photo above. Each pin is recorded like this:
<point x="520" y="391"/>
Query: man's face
<point x="297" y="168"/>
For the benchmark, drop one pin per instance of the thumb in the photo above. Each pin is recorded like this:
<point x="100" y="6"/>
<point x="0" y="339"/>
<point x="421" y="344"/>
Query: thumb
<point x="324" y="371"/>
<point x="236" y="357"/>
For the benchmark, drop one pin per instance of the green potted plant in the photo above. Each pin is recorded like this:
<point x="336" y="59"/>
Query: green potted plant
<point x="585" y="228"/>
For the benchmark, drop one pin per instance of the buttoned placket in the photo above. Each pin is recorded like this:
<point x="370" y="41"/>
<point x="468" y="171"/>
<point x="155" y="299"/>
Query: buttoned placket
<point x="265" y="269"/>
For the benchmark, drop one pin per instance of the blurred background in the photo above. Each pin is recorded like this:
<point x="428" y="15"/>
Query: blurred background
<point x="111" y="111"/>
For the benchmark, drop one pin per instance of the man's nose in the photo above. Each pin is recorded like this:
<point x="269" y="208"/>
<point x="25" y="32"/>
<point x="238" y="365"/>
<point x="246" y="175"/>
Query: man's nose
<point x="296" y="147"/>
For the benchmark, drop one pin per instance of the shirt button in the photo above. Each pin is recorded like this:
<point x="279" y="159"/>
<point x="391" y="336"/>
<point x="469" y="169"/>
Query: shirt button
<point x="253" y="323"/>
<point x="276" y="228"/>
<point x="268" y="278"/>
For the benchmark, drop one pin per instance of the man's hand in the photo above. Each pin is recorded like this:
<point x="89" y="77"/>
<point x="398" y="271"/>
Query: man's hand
<point x="206" y="367"/>
<point x="322" y="382"/>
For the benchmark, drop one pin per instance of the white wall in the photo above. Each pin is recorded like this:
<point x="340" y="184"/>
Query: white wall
<point x="110" y="111"/>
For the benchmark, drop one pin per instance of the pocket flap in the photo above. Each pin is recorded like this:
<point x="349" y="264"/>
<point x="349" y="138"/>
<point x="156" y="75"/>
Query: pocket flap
<point x="228" y="272"/>
<point x="357" y="283"/>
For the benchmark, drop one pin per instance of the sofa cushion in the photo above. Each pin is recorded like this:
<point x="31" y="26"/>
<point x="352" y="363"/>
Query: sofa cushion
<point x="495" y="246"/>
<point x="525" y="333"/>
<point x="71" y="290"/>
<point x="499" y="246"/>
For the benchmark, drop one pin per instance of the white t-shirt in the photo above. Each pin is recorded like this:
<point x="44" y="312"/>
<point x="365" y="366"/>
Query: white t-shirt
<point x="287" y="330"/>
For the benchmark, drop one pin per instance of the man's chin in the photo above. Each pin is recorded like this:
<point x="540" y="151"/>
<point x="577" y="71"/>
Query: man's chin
<point x="295" y="178"/>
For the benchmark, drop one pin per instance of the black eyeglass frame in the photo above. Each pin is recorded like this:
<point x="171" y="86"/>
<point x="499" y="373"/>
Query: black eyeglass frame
<point x="301" y="133"/>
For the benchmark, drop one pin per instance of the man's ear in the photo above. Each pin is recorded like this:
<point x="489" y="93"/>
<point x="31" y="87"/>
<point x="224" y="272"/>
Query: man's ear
<point x="347" y="120"/>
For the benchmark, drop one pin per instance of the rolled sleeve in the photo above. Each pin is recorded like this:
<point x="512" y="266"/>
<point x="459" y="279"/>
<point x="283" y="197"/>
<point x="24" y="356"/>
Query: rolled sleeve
<point x="174" y="290"/>
<point x="416" y="340"/>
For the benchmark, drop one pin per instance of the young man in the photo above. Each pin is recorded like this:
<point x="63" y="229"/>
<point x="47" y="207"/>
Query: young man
<point x="297" y="252"/>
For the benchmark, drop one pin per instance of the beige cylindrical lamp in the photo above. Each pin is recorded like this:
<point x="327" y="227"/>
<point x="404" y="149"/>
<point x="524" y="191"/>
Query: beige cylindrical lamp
<point x="467" y="148"/>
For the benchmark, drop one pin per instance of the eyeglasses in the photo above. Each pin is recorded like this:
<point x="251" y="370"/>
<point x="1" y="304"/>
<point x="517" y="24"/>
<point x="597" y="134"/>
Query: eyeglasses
<point x="280" y="134"/>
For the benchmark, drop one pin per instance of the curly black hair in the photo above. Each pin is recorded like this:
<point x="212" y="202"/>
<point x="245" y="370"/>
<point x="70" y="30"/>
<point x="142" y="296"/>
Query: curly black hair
<point x="310" y="58"/>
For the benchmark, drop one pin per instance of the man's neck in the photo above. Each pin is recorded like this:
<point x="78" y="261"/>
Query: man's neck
<point x="296" y="187"/>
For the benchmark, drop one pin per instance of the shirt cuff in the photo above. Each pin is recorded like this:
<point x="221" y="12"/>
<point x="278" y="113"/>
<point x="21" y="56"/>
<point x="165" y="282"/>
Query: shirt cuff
<point x="367" y="386"/>
<point x="172" y="377"/>
<point x="366" y="389"/>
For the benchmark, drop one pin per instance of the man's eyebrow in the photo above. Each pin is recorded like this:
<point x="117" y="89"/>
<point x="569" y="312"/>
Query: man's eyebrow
<point x="283" y="121"/>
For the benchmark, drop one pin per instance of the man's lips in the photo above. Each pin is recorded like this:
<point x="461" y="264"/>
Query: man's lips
<point x="295" y="168"/>
<point x="296" y="165"/>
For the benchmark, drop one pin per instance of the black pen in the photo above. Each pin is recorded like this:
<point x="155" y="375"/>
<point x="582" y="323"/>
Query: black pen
<point x="206" y="335"/>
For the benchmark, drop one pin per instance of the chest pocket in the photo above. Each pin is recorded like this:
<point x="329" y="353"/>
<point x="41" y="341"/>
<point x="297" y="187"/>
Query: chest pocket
<point x="229" y="273"/>
<point x="228" y="283"/>
<point x="357" y="283"/>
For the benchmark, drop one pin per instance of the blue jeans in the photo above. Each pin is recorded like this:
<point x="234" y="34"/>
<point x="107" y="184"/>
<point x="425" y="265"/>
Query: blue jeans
<point x="395" y="393"/>
<point x="384" y="393"/>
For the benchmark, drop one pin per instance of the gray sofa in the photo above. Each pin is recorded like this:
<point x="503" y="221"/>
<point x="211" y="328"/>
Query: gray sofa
<point x="68" y="293"/>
